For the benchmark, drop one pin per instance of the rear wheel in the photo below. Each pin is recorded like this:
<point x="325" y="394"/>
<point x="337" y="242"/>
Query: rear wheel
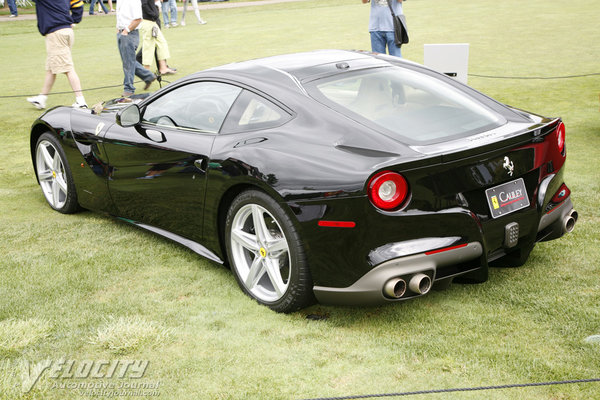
<point x="54" y="175"/>
<point x="266" y="254"/>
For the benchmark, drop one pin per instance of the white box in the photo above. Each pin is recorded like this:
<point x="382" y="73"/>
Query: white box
<point x="451" y="59"/>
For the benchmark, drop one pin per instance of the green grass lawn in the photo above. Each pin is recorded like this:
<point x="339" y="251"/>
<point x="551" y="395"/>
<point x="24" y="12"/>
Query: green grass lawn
<point x="88" y="287"/>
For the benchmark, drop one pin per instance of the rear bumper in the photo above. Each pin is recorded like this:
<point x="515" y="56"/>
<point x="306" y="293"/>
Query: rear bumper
<point x="556" y="222"/>
<point x="433" y="260"/>
<point x="436" y="264"/>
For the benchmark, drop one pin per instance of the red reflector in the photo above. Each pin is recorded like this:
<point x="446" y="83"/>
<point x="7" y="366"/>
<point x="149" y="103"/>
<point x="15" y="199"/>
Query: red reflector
<point x="445" y="249"/>
<point x="562" y="193"/>
<point x="337" y="224"/>
<point x="560" y="137"/>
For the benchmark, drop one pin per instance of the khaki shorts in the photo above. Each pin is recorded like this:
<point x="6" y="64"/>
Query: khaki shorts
<point x="58" y="50"/>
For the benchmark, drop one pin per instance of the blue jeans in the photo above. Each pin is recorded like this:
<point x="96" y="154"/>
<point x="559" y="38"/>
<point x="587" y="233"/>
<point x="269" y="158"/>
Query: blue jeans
<point x="12" y="6"/>
<point x="93" y="3"/>
<point x="165" y="6"/>
<point x="131" y="68"/>
<point x="380" y="39"/>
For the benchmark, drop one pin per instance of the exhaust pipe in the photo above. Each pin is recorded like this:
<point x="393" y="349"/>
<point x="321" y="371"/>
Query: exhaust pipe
<point x="395" y="288"/>
<point x="569" y="221"/>
<point x="420" y="284"/>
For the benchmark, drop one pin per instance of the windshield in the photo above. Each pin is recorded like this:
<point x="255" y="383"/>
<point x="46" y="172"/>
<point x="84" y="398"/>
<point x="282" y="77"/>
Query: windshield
<point x="412" y="106"/>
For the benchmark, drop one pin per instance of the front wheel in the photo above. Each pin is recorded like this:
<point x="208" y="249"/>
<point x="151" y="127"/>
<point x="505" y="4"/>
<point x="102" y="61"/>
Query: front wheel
<point x="266" y="254"/>
<point x="54" y="175"/>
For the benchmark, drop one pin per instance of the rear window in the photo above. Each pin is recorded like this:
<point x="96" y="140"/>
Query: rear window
<point x="408" y="105"/>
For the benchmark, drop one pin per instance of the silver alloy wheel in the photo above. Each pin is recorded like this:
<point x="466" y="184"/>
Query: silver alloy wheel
<point x="260" y="253"/>
<point x="51" y="174"/>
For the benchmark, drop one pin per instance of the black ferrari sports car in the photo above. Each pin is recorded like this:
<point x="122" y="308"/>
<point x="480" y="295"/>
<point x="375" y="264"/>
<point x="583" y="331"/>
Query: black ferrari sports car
<point x="345" y="177"/>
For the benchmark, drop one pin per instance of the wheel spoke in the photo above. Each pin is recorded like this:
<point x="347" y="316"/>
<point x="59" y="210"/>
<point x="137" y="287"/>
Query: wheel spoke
<point x="260" y="228"/>
<point x="257" y="270"/>
<point x="277" y="246"/>
<point x="274" y="273"/>
<point x="56" y="163"/>
<point x="48" y="160"/>
<point x="45" y="175"/>
<point x="245" y="239"/>
<point x="55" y="193"/>
<point x="62" y="185"/>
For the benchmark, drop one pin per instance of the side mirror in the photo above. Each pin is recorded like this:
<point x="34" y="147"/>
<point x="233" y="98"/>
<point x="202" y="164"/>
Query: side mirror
<point x="129" y="116"/>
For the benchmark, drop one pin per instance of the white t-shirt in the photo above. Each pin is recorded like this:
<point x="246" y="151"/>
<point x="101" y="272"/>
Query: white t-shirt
<point x="127" y="11"/>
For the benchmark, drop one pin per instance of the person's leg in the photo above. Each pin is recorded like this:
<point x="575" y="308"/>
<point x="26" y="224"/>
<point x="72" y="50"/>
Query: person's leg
<point x="185" y="3"/>
<point x="147" y="41"/>
<point x="48" y="82"/>
<point x="197" y="12"/>
<point x="137" y="68"/>
<point x="127" y="46"/>
<point x="378" y="42"/>
<point x="111" y="6"/>
<point x="164" y="7"/>
<point x="74" y="82"/>
<point x="92" y="4"/>
<point x="391" y="45"/>
<point x="12" y="6"/>
<point x="173" y="7"/>
<point x="103" y="6"/>
<point x="162" y="49"/>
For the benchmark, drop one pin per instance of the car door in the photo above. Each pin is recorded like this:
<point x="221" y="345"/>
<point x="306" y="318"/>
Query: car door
<point x="159" y="165"/>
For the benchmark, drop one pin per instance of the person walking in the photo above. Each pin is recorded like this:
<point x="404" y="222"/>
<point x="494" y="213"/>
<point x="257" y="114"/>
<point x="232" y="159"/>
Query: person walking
<point x="169" y="5"/>
<point x="153" y="39"/>
<point x="196" y="11"/>
<point x="12" y="6"/>
<point x="129" y="17"/>
<point x="54" y="21"/>
<point x="381" y="26"/>
<point x="101" y="4"/>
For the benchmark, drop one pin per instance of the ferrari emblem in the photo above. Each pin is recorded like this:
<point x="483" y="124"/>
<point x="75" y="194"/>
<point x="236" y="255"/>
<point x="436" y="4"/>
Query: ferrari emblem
<point x="263" y="252"/>
<point x="495" y="202"/>
<point x="508" y="166"/>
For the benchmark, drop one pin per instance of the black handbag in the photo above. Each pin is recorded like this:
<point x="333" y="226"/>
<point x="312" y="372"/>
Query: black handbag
<point x="400" y="31"/>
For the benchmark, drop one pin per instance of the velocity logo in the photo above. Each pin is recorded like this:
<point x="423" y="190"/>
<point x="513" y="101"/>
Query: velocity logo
<point x="84" y="369"/>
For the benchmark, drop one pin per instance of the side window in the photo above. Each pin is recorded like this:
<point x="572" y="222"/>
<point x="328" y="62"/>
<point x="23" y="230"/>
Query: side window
<point x="199" y="106"/>
<point x="252" y="112"/>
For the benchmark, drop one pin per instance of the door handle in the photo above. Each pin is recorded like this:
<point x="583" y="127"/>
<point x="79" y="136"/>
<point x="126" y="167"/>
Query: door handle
<point x="155" y="136"/>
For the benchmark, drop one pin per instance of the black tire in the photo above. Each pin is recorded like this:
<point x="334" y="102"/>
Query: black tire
<point x="54" y="175"/>
<point x="280" y="278"/>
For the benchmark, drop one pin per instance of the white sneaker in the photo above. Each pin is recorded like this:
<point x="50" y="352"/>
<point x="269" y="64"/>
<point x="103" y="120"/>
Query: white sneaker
<point x="167" y="26"/>
<point x="202" y="22"/>
<point x="13" y="16"/>
<point x="174" y="24"/>
<point x="79" y="105"/>
<point x="37" y="102"/>
<point x="182" y="23"/>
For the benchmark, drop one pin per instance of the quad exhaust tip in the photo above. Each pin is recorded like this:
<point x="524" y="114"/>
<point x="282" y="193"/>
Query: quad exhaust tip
<point x="395" y="288"/>
<point x="569" y="221"/>
<point x="420" y="284"/>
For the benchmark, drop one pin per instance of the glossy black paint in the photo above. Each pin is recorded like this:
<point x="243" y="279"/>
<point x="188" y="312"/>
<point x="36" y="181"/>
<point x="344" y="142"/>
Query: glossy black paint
<point x="317" y="164"/>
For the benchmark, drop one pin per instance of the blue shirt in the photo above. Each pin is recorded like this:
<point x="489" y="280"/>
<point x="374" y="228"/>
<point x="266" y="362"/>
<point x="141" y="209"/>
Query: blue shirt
<point x="381" y="17"/>
<point x="53" y="15"/>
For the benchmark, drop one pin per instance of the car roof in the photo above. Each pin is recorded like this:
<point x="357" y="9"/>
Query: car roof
<point x="291" y="69"/>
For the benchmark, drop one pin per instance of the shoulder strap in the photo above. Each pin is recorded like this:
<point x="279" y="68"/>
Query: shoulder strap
<point x="391" y="9"/>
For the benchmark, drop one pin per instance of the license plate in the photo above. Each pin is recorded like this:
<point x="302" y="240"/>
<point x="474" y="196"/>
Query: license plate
<point x="507" y="198"/>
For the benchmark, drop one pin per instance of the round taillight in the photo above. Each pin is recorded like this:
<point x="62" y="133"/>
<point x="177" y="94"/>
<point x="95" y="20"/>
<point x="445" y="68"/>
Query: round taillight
<point x="560" y="137"/>
<point x="388" y="190"/>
